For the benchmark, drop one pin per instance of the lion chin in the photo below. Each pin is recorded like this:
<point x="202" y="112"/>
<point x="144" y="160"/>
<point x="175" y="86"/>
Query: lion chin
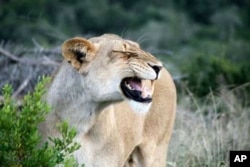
<point x="140" y="108"/>
<point x="118" y="97"/>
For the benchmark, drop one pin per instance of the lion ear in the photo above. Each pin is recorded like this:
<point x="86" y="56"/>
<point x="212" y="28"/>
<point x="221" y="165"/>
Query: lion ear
<point x="79" y="52"/>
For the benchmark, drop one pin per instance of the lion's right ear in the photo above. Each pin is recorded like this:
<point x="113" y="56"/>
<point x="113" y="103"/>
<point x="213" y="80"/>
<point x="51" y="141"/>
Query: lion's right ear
<point x="79" y="52"/>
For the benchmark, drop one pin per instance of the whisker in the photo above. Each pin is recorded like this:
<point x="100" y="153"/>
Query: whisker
<point x="142" y="39"/>
<point x="124" y="32"/>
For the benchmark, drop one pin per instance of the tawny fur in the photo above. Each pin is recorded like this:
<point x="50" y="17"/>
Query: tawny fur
<point x="113" y="131"/>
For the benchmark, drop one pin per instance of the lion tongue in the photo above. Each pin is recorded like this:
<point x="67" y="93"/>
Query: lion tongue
<point x="136" y="85"/>
<point x="145" y="87"/>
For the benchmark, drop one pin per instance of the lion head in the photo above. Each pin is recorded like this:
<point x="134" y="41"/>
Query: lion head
<point x="113" y="69"/>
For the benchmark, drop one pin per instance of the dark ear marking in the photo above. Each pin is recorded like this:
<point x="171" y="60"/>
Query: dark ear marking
<point x="79" y="55"/>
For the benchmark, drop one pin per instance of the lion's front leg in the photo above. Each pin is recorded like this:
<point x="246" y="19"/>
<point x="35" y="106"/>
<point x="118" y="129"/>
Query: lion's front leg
<point x="154" y="155"/>
<point x="147" y="156"/>
<point x="134" y="159"/>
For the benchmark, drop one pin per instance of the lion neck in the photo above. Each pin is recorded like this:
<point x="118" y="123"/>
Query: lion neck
<point x="70" y="101"/>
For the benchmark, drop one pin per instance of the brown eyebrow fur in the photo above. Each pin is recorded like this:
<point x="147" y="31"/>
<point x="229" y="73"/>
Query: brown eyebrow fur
<point x="129" y="53"/>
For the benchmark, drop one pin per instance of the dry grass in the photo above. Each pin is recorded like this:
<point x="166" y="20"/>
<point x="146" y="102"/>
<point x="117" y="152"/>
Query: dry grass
<point x="205" y="133"/>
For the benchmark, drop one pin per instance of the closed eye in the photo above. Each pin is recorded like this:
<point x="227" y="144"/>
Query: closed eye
<point x="128" y="53"/>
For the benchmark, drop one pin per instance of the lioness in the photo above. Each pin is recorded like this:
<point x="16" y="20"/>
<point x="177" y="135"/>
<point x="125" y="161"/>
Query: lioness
<point x="118" y="97"/>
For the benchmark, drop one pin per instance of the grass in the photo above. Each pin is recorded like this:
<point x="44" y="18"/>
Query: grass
<point x="204" y="133"/>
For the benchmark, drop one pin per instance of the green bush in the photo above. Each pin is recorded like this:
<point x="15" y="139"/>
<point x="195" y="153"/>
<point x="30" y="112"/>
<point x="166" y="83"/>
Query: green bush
<point x="209" y="73"/>
<point x="20" y="140"/>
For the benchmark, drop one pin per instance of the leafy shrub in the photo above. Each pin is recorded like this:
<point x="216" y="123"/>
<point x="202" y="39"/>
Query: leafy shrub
<point x="19" y="136"/>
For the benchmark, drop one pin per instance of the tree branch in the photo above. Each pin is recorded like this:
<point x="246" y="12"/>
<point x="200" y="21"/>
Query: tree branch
<point x="9" y="55"/>
<point x="42" y="61"/>
<point x="22" y="86"/>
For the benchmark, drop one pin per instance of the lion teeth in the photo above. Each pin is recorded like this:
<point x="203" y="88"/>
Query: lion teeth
<point x="129" y="86"/>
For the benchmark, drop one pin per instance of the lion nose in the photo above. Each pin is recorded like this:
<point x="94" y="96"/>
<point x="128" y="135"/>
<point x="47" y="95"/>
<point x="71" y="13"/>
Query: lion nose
<point x="156" y="68"/>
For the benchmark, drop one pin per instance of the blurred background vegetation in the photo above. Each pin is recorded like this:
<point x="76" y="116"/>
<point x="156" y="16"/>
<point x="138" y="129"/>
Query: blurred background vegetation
<point x="205" y="44"/>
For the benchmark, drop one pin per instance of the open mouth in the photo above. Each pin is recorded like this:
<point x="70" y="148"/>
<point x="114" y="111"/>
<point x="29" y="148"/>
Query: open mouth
<point x="134" y="88"/>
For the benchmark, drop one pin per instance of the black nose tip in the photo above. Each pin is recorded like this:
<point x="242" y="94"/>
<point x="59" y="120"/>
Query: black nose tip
<point x="157" y="69"/>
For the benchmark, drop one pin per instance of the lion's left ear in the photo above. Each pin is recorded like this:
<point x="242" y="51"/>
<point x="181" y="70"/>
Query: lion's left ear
<point x="79" y="52"/>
